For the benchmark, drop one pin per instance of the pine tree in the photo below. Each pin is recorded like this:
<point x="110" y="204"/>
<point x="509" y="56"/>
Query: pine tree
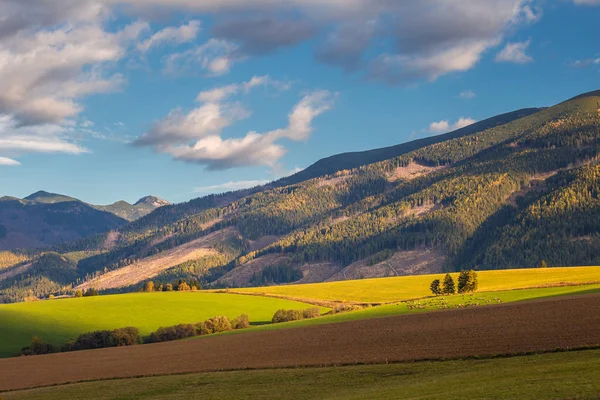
<point x="435" y="287"/>
<point x="448" y="287"/>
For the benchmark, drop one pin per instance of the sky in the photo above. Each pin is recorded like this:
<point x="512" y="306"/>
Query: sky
<point x="108" y="100"/>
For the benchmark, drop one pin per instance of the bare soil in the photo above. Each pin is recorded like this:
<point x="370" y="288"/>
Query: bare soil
<point x="412" y="171"/>
<point x="401" y="263"/>
<point x="514" y="328"/>
<point x="151" y="266"/>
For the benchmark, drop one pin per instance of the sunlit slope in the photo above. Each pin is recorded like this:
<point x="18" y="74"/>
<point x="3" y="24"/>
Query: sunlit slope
<point x="383" y="290"/>
<point x="57" y="321"/>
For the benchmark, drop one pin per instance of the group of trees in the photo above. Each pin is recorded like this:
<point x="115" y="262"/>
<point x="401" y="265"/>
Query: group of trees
<point x="128" y="336"/>
<point x="467" y="283"/>
<point x="88" y="293"/>
<point x="295" y="315"/>
<point x="180" y="285"/>
<point x="212" y="325"/>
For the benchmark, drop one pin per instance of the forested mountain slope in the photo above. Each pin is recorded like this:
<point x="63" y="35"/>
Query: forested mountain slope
<point x="504" y="196"/>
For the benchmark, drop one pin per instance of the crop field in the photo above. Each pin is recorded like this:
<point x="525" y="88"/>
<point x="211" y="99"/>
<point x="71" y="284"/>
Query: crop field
<point x="386" y="290"/>
<point x="436" y="304"/>
<point x="557" y="375"/>
<point x="516" y="328"/>
<point x="57" y="321"/>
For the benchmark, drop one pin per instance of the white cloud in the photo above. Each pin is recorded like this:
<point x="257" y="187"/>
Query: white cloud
<point x="209" y="119"/>
<point x="17" y="140"/>
<point x="189" y="138"/>
<point x="221" y="93"/>
<point x="444" y="126"/>
<point x="467" y="94"/>
<point x="170" y="35"/>
<point x="8" y="161"/>
<point x="216" y="57"/>
<point x="515" y="53"/>
<point x="229" y="186"/>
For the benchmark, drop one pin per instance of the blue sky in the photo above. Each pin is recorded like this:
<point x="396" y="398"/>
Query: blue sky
<point x="116" y="99"/>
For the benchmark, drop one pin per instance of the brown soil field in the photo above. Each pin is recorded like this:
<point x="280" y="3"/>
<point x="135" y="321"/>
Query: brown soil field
<point x="515" y="328"/>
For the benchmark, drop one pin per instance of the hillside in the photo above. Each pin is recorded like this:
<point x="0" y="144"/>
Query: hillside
<point x="493" y="196"/>
<point x="31" y="224"/>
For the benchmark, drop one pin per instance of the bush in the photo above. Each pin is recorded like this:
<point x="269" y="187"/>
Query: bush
<point x="100" y="339"/>
<point x="312" y="312"/>
<point x="218" y="324"/>
<point x="38" y="346"/>
<point x="240" y="322"/>
<point x="165" y="334"/>
<point x="127" y="336"/>
<point x="340" y="308"/>
<point x="91" y="292"/>
<point x="295" y="315"/>
<point x="78" y="293"/>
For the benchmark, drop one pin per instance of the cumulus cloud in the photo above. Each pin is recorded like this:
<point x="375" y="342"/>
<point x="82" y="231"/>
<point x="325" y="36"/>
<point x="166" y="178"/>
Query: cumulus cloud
<point x="182" y="34"/>
<point x="444" y="126"/>
<point x="196" y="136"/>
<point x="229" y="186"/>
<point x="209" y="119"/>
<point x="515" y="53"/>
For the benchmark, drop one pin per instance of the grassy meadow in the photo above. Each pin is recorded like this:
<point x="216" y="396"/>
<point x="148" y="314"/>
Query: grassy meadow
<point x="556" y="375"/>
<point x="57" y="321"/>
<point x="386" y="290"/>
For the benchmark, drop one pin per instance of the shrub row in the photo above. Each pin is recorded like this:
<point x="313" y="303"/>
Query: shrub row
<point x="92" y="340"/>
<point x="295" y="315"/>
<point x="212" y="325"/>
<point x="131" y="336"/>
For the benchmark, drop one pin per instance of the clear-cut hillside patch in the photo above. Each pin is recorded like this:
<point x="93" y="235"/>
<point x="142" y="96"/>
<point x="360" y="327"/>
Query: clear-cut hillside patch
<point x="149" y="267"/>
<point x="401" y="263"/>
<point x="412" y="171"/>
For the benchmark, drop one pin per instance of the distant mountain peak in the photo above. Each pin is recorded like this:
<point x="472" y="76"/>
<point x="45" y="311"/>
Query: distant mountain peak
<point x="152" y="201"/>
<point x="47" y="197"/>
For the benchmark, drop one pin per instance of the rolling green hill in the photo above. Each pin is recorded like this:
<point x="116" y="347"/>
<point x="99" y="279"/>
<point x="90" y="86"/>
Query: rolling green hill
<point x="58" y="321"/>
<point x="505" y="193"/>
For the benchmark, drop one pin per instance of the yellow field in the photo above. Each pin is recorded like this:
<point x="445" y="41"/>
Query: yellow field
<point x="384" y="290"/>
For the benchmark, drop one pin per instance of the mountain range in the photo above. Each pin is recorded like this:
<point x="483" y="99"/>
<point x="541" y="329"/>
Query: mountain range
<point x="42" y="219"/>
<point x="507" y="192"/>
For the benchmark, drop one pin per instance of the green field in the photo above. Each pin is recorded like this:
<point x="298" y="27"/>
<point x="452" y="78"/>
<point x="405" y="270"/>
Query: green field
<point x="547" y="376"/>
<point x="56" y="321"/>
<point x="385" y="290"/>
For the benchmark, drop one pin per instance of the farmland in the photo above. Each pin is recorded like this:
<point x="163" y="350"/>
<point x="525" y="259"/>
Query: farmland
<point x="556" y="375"/>
<point x="57" y="321"/>
<point x="386" y="290"/>
<point x="504" y="329"/>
